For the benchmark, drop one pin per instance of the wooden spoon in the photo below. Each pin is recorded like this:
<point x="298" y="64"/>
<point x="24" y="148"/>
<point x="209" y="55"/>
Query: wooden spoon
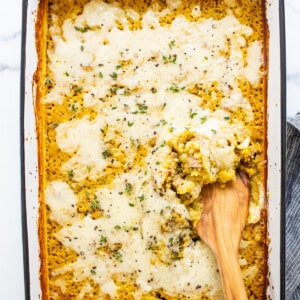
<point x="221" y="225"/>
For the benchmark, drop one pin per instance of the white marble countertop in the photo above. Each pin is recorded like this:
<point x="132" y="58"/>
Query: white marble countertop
<point x="11" y="270"/>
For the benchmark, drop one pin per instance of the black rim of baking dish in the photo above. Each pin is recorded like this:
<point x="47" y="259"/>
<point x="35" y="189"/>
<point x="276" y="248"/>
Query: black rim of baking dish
<point x="283" y="144"/>
<point x="22" y="149"/>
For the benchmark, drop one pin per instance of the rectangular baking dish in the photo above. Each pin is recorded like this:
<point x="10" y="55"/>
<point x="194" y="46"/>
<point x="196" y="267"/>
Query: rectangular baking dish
<point x="275" y="136"/>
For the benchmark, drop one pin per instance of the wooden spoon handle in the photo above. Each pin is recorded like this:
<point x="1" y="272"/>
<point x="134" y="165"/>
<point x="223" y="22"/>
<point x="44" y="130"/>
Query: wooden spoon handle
<point x="221" y="225"/>
<point x="231" y="275"/>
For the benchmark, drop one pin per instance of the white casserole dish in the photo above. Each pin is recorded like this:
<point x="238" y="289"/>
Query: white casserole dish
<point x="275" y="137"/>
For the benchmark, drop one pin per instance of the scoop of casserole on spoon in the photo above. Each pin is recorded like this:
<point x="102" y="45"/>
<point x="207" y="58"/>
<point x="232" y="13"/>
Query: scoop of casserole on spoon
<point x="221" y="225"/>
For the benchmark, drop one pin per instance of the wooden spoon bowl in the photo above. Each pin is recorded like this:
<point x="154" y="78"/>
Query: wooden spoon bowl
<point x="221" y="225"/>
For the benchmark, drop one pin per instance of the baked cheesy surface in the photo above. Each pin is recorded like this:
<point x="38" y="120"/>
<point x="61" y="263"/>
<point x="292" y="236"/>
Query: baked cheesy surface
<point x="143" y="103"/>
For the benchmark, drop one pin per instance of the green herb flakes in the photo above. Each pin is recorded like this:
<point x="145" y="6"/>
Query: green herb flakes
<point x="94" y="203"/>
<point x="106" y="153"/>
<point x="203" y="120"/>
<point x="74" y="108"/>
<point x="114" y="75"/>
<point x="103" y="239"/>
<point x="169" y="59"/>
<point x="141" y="198"/>
<point x="128" y="187"/>
<point x="192" y="114"/>
<point x="117" y="255"/>
<point x="172" y="44"/>
<point x="81" y="29"/>
<point x="174" y="89"/>
<point x="153" y="90"/>
<point x="70" y="174"/>
<point x="48" y="81"/>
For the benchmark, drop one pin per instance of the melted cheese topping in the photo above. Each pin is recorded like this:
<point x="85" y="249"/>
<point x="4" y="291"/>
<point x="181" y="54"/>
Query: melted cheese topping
<point x="150" y="145"/>
<point x="134" y="228"/>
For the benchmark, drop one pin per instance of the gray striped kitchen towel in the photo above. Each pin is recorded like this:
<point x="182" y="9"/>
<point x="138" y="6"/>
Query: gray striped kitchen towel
<point x="292" y="280"/>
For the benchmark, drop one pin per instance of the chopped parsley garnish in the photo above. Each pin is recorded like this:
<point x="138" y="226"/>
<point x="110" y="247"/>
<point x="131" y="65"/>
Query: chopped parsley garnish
<point x="118" y="256"/>
<point x="79" y="89"/>
<point x="141" y="198"/>
<point x="48" y="81"/>
<point x="163" y="144"/>
<point x="163" y="122"/>
<point x="118" y="227"/>
<point x="67" y="74"/>
<point x="203" y="120"/>
<point x="213" y="131"/>
<point x="174" y="89"/>
<point x="70" y="174"/>
<point x="153" y="90"/>
<point x="192" y="114"/>
<point x="142" y="108"/>
<point x="74" y="108"/>
<point x="81" y="29"/>
<point x="89" y="168"/>
<point x="227" y="118"/>
<point x="119" y="67"/>
<point x="106" y="153"/>
<point x="169" y="59"/>
<point x="81" y="48"/>
<point x="127" y="228"/>
<point x="130" y="124"/>
<point x="131" y="204"/>
<point x="172" y="218"/>
<point x="128" y="187"/>
<point x="94" y="203"/>
<point x="54" y="125"/>
<point x="93" y="272"/>
<point x="114" y="90"/>
<point x="205" y="57"/>
<point x="114" y="107"/>
<point x="103" y="239"/>
<point x="114" y="75"/>
<point x="100" y="75"/>
<point x="172" y="44"/>
<point x="126" y="92"/>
